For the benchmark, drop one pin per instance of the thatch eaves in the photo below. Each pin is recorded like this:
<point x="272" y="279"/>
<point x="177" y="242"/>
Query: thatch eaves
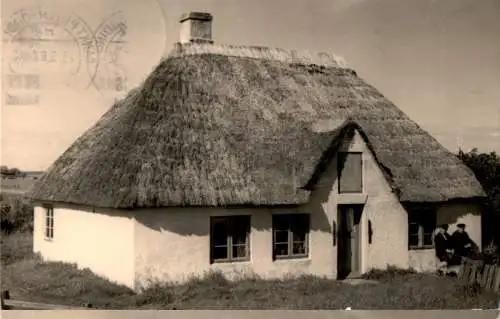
<point x="218" y="125"/>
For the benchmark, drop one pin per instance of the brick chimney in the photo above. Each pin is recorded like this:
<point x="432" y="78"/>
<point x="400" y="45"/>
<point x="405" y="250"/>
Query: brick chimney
<point x="196" y="27"/>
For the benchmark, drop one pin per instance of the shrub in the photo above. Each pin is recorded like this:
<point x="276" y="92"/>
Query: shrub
<point x="16" y="215"/>
<point x="490" y="255"/>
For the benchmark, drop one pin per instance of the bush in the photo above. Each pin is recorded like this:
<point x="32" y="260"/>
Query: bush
<point x="490" y="255"/>
<point x="16" y="215"/>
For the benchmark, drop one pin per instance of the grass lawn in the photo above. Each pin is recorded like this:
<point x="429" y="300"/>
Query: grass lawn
<point x="28" y="278"/>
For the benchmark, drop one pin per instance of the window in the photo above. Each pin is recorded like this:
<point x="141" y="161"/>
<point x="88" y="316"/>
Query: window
<point x="230" y="238"/>
<point x="421" y="225"/>
<point x="350" y="172"/>
<point x="290" y="236"/>
<point x="49" y="223"/>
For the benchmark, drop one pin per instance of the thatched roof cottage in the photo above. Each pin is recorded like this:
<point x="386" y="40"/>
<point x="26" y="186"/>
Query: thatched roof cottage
<point x="252" y="159"/>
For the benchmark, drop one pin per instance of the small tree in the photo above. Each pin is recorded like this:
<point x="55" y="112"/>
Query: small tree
<point x="5" y="171"/>
<point x="16" y="215"/>
<point x="486" y="168"/>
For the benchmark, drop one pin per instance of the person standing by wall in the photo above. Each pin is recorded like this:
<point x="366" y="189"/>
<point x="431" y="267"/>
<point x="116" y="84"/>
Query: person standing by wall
<point x="443" y="248"/>
<point x="462" y="242"/>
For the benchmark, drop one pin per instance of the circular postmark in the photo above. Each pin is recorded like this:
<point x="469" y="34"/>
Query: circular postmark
<point x="129" y="43"/>
<point x="48" y="46"/>
<point x="105" y="64"/>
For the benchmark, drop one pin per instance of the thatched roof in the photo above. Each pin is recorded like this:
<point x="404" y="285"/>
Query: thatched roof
<point x="219" y="125"/>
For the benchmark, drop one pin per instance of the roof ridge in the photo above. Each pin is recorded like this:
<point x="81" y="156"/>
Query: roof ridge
<point x="260" y="52"/>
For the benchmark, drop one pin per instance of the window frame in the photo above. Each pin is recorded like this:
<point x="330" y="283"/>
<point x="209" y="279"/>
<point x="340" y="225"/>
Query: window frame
<point x="290" y="241"/>
<point x="48" y="218"/>
<point x="420" y="216"/>
<point x="341" y="158"/>
<point x="231" y="221"/>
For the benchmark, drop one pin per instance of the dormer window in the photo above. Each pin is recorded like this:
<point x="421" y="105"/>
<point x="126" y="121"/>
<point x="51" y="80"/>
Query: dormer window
<point x="350" y="172"/>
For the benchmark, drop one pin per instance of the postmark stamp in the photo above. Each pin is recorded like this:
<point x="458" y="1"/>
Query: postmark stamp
<point x="46" y="48"/>
<point x="106" y="69"/>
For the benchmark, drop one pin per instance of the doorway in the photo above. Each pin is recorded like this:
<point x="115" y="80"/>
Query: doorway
<point x="349" y="241"/>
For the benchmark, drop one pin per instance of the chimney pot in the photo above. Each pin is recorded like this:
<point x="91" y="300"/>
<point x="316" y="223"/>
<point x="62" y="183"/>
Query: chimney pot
<point x="196" y="27"/>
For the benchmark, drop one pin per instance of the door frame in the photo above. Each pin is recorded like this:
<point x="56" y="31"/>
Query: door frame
<point x="349" y="249"/>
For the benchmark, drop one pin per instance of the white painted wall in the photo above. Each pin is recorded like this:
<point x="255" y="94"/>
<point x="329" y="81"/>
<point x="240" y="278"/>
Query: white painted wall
<point x="177" y="246"/>
<point x="171" y="244"/>
<point x="102" y="241"/>
<point x="470" y="215"/>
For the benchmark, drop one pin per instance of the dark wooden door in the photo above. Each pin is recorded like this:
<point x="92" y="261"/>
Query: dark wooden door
<point x="349" y="237"/>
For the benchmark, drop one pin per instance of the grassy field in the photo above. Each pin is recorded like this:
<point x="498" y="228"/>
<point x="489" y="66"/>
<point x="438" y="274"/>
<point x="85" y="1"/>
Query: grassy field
<point x="16" y="185"/>
<point x="28" y="278"/>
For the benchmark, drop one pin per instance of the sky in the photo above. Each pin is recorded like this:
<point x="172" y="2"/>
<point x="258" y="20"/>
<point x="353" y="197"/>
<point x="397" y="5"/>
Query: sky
<point x="437" y="60"/>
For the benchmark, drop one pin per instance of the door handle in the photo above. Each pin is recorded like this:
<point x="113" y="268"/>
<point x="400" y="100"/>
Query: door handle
<point x="334" y="233"/>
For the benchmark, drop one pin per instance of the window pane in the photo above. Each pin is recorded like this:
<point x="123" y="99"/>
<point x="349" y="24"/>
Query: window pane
<point x="413" y="240"/>
<point x="240" y="239"/>
<point x="299" y="248"/>
<point x="299" y="236"/>
<point x="239" y="251"/>
<point x="281" y="249"/>
<point x="350" y="173"/>
<point x="428" y="239"/>
<point x="240" y="227"/>
<point x="429" y="222"/>
<point x="219" y="252"/>
<point x="413" y="228"/>
<point x="281" y="222"/>
<point x="281" y="236"/>
<point x="219" y="232"/>
<point x="412" y="217"/>
<point x="299" y="222"/>
<point x="300" y="227"/>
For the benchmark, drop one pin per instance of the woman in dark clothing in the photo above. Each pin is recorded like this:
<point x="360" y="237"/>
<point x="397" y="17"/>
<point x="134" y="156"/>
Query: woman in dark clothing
<point x="442" y="243"/>
<point x="443" y="247"/>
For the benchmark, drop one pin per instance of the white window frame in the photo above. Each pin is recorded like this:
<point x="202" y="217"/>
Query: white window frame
<point x="291" y="218"/>
<point x="48" y="223"/>
<point x="418" y="218"/>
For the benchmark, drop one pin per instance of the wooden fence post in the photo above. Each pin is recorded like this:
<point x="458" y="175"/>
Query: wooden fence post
<point x="466" y="269"/>
<point x="5" y="296"/>
<point x="484" y="277"/>
<point x="496" y="284"/>
<point x="461" y="271"/>
<point x="480" y="272"/>
<point x="490" y="277"/>
<point x="473" y="274"/>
